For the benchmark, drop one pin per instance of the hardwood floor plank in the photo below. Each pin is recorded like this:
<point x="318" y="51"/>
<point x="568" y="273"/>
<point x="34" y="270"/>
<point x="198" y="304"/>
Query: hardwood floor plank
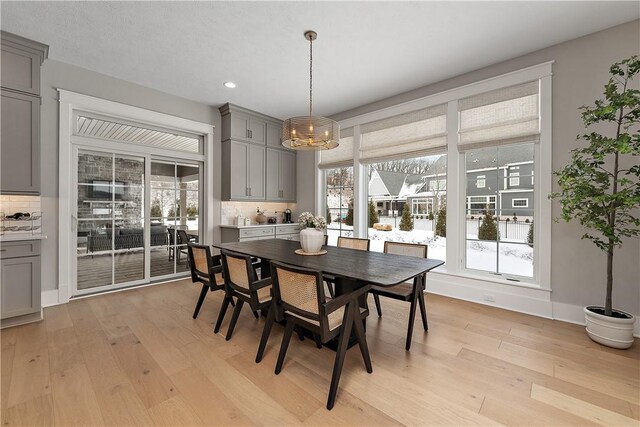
<point x="174" y="412"/>
<point x="580" y="408"/>
<point x="35" y="412"/>
<point x="57" y="317"/>
<point x="74" y="400"/>
<point x="82" y="317"/>
<point x="6" y="372"/>
<point x="30" y="377"/>
<point x="121" y="406"/>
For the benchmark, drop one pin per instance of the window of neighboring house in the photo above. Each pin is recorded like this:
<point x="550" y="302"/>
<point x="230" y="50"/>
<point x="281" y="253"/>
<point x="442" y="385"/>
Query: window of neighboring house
<point x="421" y="206"/>
<point x="478" y="204"/>
<point x="339" y="191"/>
<point x="514" y="179"/>
<point x="520" y="203"/>
<point x="481" y="181"/>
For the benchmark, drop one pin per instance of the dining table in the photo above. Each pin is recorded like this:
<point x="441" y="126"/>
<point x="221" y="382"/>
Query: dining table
<point x="350" y="269"/>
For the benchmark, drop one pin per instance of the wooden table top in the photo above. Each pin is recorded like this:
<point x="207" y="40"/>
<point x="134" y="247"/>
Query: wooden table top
<point x="371" y="267"/>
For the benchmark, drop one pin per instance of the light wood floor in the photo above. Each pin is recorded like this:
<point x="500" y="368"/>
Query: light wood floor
<point x="137" y="358"/>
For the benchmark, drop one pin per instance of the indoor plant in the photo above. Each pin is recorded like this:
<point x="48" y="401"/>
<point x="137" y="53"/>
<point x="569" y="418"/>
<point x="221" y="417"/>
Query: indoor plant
<point x="602" y="193"/>
<point x="312" y="233"/>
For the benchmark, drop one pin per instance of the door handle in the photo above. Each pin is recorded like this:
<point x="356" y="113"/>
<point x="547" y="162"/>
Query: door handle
<point x="74" y="223"/>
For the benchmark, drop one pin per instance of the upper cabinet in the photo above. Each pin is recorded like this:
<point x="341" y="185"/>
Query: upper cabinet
<point x="20" y="116"/>
<point x="255" y="166"/>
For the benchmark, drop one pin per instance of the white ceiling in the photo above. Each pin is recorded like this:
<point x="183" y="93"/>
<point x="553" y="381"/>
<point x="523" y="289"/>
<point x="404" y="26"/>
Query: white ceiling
<point x="365" y="51"/>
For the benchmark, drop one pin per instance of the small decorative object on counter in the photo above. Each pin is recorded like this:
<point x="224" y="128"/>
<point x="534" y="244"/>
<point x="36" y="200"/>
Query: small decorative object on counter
<point x="312" y="233"/>
<point x="261" y="218"/>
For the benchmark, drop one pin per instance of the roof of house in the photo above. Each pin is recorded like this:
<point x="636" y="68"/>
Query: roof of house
<point x="488" y="158"/>
<point x="392" y="180"/>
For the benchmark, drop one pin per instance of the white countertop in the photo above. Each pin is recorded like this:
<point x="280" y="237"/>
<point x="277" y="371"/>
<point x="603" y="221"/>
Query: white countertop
<point x="18" y="237"/>
<point x="255" y="225"/>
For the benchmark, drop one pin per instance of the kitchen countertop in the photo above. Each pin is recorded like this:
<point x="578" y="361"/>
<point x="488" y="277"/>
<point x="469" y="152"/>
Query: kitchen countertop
<point x="20" y="237"/>
<point x="255" y="225"/>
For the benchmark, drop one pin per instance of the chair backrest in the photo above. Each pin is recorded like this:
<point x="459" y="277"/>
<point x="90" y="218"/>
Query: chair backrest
<point x="237" y="271"/>
<point x="182" y="237"/>
<point x="298" y="290"/>
<point x="326" y="239"/>
<point x="353" y="243"/>
<point x="407" y="249"/>
<point x="200" y="261"/>
<point x="172" y="236"/>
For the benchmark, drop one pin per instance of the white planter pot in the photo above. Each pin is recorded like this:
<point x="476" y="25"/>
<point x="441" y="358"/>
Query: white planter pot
<point x="311" y="240"/>
<point x="610" y="331"/>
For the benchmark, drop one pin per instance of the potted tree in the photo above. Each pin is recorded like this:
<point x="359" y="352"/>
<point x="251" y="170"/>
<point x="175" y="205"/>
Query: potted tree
<point x="598" y="189"/>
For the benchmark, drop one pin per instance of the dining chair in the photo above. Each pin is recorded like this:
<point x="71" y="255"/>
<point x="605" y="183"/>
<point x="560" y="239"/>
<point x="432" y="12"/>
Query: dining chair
<point x="205" y="269"/>
<point x="412" y="293"/>
<point x="350" y="243"/>
<point x="241" y="282"/>
<point x="299" y="300"/>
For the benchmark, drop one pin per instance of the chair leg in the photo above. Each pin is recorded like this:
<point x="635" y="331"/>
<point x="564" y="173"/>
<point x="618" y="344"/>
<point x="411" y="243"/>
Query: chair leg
<point x="288" y="331"/>
<point x="299" y="332"/>
<point x="255" y="314"/>
<point x="266" y="332"/>
<point x="412" y="315"/>
<point x="376" y="298"/>
<point x="234" y="318"/>
<point x="347" y="323"/>
<point x="223" y="311"/>
<point x="203" y="293"/>
<point x="362" y="342"/>
<point x="423" y="311"/>
<point x="332" y="291"/>
<point x="316" y="338"/>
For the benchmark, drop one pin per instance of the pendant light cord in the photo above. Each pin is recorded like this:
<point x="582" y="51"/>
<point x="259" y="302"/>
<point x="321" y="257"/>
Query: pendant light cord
<point x="310" y="75"/>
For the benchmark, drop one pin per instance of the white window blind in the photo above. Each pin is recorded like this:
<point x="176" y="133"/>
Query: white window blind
<point x="502" y="116"/>
<point x="414" y="134"/>
<point x="340" y="156"/>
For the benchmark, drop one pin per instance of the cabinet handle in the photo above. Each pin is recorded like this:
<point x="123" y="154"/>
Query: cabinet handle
<point x="250" y="191"/>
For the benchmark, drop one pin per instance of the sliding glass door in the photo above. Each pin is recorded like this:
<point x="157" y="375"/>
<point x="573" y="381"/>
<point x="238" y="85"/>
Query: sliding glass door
<point x="134" y="217"/>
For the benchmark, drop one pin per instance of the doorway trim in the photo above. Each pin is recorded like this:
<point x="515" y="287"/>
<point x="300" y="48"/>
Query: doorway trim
<point x="72" y="101"/>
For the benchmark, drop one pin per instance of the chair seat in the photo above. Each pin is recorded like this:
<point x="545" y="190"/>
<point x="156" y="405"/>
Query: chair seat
<point x="264" y="294"/>
<point x="335" y="318"/>
<point x="402" y="291"/>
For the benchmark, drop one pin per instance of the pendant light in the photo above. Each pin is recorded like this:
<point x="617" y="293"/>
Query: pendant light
<point x="310" y="132"/>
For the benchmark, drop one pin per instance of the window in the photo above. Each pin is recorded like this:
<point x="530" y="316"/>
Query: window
<point x="339" y="201"/>
<point x="514" y="179"/>
<point x="417" y="183"/>
<point x="496" y="231"/>
<point x="481" y="181"/>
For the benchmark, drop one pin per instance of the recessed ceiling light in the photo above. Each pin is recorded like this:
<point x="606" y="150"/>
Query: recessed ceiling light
<point x="230" y="85"/>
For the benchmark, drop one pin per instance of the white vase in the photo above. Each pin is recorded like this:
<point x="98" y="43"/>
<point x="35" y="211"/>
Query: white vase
<point x="613" y="332"/>
<point x="311" y="240"/>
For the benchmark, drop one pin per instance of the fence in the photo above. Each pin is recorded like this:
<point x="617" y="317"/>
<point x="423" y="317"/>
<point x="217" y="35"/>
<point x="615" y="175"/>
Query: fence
<point x="509" y="230"/>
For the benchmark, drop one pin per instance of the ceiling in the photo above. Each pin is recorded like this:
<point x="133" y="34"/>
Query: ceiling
<point x="365" y="51"/>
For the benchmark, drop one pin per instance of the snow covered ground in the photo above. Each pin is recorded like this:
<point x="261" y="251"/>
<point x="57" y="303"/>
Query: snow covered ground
<point x="513" y="258"/>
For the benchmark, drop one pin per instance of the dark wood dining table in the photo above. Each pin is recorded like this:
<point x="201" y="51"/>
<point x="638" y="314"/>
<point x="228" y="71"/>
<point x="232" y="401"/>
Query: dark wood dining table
<point x="350" y="269"/>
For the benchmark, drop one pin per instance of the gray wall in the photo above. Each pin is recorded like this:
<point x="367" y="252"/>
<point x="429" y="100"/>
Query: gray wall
<point x="55" y="75"/>
<point x="578" y="269"/>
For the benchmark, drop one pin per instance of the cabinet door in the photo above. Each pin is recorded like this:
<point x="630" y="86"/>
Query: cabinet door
<point x="20" y="123"/>
<point x="239" y="127"/>
<point x="238" y="173"/>
<point x="273" y="174"/>
<point x="20" y="70"/>
<point x="287" y="176"/>
<point x="273" y="135"/>
<point x="256" y="171"/>
<point x="258" y="131"/>
<point x="20" y="286"/>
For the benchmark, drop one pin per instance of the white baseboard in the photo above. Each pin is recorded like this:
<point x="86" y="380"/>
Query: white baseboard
<point x="575" y="314"/>
<point x="49" y="298"/>
<point x="536" y="302"/>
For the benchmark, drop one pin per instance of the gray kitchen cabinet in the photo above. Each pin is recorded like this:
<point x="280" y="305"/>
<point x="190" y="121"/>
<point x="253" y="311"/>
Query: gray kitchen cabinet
<point x="20" y="118"/>
<point x="261" y="232"/>
<point x="20" y="160"/>
<point x="20" y="284"/>
<point x="281" y="175"/>
<point x="273" y="134"/>
<point x="242" y="125"/>
<point x="243" y="171"/>
<point x="21" y="60"/>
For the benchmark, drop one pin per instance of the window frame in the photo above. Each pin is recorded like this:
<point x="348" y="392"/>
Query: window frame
<point x="526" y="204"/>
<point x="483" y="179"/>
<point x="456" y="179"/>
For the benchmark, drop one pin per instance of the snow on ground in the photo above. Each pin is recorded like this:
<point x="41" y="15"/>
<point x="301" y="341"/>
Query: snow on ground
<point x="514" y="258"/>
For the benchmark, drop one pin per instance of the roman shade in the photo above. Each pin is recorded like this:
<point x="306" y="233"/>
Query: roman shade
<point x="340" y="156"/>
<point x="502" y="116"/>
<point x="414" y="134"/>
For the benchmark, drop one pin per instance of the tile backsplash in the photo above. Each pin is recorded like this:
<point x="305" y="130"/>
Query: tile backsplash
<point x="12" y="204"/>
<point x="230" y="210"/>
